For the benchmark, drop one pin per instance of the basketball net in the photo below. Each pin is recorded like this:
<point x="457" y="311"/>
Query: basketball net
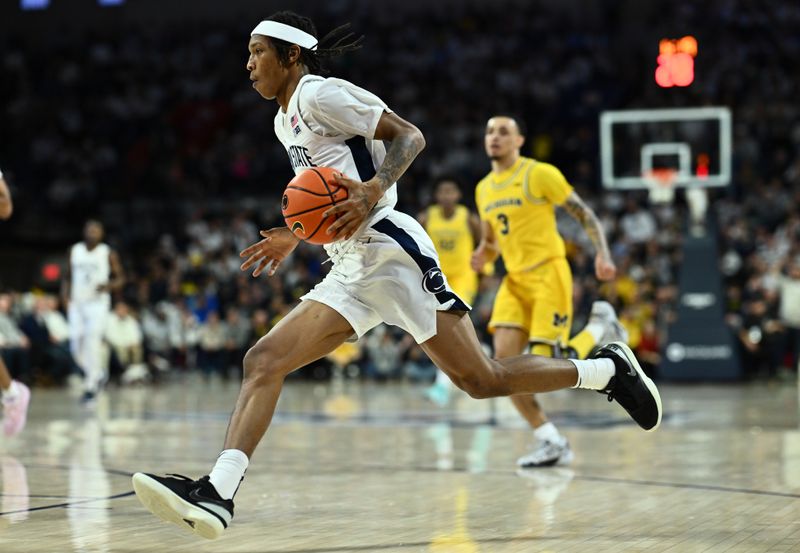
<point x="661" y="183"/>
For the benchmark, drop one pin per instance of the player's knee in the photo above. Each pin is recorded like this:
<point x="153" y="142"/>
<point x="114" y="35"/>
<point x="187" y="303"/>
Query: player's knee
<point x="483" y="386"/>
<point x="259" y="364"/>
<point x="476" y="389"/>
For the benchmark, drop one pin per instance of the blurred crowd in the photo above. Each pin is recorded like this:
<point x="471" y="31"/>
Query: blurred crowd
<point x="159" y="134"/>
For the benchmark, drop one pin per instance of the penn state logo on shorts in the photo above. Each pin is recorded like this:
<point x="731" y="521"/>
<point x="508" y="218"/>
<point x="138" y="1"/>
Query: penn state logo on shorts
<point x="433" y="281"/>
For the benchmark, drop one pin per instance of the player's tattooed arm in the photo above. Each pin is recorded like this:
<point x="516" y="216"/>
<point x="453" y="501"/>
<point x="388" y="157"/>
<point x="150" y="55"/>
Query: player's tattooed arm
<point x="604" y="266"/>
<point x="405" y="147"/>
<point x="406" y="143"/>
<point x="576" y="207"/>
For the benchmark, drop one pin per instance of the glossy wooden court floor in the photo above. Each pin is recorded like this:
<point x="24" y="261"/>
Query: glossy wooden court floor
<point x="374" y="468"/>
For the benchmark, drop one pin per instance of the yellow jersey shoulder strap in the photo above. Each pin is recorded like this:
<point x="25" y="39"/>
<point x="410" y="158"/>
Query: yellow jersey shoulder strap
<point x="432" y="213"/>
<point x="526" y="184"/>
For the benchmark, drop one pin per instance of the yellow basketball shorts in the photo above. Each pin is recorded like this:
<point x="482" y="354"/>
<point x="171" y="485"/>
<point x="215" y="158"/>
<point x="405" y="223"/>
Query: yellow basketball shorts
<point x="464" y="284"/>
<point x="538" y="301"/>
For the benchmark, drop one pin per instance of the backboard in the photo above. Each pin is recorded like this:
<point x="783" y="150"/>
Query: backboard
<point x="693" y="144"/>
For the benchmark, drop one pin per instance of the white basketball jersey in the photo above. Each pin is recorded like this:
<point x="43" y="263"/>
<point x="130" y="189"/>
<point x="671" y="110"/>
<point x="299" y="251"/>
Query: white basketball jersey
<point x="356" y="156"/>
<point x="89" y="270"/>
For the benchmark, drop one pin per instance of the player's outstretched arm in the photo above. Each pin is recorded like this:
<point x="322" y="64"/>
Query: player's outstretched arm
<point x="277" y="244"/>
<point x="6" y="205"/>
<point x="603" y="265"/>
<point x="407" y="142"/>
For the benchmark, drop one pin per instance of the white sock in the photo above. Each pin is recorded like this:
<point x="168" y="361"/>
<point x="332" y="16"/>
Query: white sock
<point x="596" y="330"/>
<point x="594" y="374"/>
<point x="228" y="472"/>
<point x="11" y="393"/>
<point x="443" y="380"/>
<point x="548" y="433"/>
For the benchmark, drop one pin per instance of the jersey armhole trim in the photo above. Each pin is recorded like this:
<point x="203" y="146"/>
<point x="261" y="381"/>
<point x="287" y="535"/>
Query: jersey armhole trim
<point x="526" y="182"/>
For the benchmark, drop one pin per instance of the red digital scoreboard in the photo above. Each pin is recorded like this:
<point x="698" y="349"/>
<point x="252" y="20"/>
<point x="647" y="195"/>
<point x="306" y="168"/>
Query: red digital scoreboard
<point x="676" y="61"/>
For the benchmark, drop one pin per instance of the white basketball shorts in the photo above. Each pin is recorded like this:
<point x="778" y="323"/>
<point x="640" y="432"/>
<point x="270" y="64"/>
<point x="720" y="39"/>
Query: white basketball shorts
<point x="389" y="274"/>
<point x="88" y="318"/>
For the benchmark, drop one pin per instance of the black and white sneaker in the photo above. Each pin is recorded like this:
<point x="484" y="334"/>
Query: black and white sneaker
<point x="630" y="386"/>
<point x="192" y="504"/>
<point x="603" y="313"/>
<point x="547" y="454"/>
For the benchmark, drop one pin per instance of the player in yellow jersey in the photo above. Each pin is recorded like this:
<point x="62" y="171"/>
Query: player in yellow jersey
<point x="455" y="231"/>
<point x="516" y="203"/>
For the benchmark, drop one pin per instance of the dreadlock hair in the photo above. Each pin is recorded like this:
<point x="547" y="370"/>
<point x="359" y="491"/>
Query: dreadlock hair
<point x="335" y="43"/>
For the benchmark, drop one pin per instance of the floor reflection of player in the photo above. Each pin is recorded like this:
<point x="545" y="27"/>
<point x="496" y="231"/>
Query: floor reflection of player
<point x="14" y="395"/>
<point x="547" y="486"/>
<point x="441" y="434"/>
<point x="89" y="522"/>
<point x="457" y="540"/>
<point x="16" y="499"/>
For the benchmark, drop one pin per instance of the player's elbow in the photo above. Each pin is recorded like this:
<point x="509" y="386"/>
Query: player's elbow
<point x="415" y="138"/>
<point x="6" y="209"/>
<point x="420" y="140"/>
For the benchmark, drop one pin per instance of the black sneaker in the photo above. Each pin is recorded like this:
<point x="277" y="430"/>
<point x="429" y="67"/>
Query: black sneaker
<point x="192" y="504"/>
<point x="631" y="388"/>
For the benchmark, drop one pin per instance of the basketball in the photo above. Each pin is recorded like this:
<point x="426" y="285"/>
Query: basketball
<point x="308" y="195"/>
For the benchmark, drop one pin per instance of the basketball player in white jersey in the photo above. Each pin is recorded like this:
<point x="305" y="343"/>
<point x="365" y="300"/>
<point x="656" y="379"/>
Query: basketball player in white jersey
<point x="384" y="269"/>
<point x="14" y="395"/>
<point x="93" y="272"/>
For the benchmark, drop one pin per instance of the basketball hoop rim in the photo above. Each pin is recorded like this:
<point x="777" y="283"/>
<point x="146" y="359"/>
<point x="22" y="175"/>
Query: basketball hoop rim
<point x="661" y="178"/>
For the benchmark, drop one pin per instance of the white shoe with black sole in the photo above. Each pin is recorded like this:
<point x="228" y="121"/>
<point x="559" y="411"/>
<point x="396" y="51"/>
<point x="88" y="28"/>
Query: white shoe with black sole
<point x="191" y="504"/>
<point x="547" y="454"/>
<point x="604" y="313"/>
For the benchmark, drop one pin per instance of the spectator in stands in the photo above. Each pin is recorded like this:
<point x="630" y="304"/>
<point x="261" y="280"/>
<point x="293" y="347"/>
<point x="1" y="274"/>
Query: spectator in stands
<point x="417" y="367"/>
<point x="789" y="309"/>
<point x="384" y="353"/>
<point x="237" y="340"/>
<point x="124" y="336"/>
<point x="14" y="345"/>
<point x="157" y="338"/>
<point x="48" y="333"/>
<point x="212" y="342"/>
<point x="638" y="225"/>
<point x="206" y="157"/>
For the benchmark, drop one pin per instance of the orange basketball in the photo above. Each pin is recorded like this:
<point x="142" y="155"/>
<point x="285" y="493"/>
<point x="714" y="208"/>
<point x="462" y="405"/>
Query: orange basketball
<point x="308" y="195"/>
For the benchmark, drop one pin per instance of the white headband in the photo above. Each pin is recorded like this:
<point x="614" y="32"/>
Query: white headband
<point x="290" y="34"/>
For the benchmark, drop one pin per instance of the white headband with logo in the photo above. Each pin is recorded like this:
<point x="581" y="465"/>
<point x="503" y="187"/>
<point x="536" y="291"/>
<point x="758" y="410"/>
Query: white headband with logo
<point x="290" y="34"/>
